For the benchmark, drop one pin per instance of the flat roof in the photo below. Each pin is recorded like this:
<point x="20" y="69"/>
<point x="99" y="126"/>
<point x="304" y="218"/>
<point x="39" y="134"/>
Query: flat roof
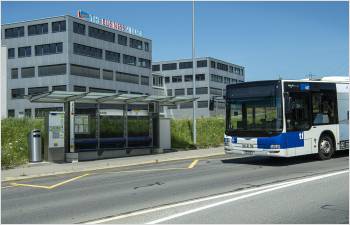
<point x="106" y="98"/>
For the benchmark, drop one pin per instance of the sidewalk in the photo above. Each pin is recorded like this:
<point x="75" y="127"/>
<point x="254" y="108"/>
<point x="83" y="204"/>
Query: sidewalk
<point x="48" y="169"/>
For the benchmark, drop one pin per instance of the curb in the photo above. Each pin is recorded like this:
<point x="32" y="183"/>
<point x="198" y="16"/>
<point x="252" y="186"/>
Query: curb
<point x="8" y="179"/>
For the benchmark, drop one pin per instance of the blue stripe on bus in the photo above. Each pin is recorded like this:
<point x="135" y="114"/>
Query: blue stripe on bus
<point x="285" y="140"/>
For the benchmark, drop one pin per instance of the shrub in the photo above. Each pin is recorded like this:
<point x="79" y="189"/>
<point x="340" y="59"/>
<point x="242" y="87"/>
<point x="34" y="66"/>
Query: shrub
<point x="14" y="140"/>
<point x="210" y="133"/>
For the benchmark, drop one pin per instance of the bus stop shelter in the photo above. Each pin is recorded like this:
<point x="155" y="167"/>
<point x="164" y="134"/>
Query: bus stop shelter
<point x="104" y="125"/>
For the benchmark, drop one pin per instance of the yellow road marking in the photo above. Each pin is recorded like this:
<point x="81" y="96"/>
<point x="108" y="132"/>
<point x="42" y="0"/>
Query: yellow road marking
<point x="67" y="181"/>
<point x="30" y="185"/>
<point x="193" y="164"/>
<point x="49" y="187"/>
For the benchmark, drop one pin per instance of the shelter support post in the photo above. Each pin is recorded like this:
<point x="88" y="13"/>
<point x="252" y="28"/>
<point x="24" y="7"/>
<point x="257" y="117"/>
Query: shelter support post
<point x="125" y="117"/>
<point x="98" y="126"/>
<point x="71" y="155"/>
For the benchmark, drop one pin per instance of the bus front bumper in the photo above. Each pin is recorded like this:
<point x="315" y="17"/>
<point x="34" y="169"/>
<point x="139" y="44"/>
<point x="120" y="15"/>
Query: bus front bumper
<point x="257" y="152"/>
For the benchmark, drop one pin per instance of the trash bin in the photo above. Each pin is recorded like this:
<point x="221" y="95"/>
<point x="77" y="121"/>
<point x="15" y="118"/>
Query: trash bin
<point x="34" y="145"/>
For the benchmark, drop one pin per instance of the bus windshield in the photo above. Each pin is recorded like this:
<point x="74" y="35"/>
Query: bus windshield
<point x="254" y="111"/>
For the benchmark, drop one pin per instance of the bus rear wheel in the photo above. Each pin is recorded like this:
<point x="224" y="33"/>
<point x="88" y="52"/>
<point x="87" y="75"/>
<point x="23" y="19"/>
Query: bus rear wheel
<point x="325" y="147"/>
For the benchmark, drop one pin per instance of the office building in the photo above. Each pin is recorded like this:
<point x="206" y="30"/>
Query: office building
<point x="212" y="75"/>
<point x="66" y="53"/>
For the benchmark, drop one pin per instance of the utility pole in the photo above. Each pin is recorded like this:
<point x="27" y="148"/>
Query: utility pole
<point x="193" y="80"/>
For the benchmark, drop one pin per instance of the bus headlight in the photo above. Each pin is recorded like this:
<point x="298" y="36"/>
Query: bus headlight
<point x="275" y="146"/>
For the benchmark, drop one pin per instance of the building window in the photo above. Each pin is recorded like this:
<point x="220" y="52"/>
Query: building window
<point x="122" y="92"/>
<point x="37" y="90"/>
<point x="180" y="91"/>
<point x="44" y="112"/>
<point x="215" y="91"/>
<point x="59" y="26"/>
<point x="226" y="80"/>
<point x="200" y="77"/>
<point x="24" y="51"/>
<point x="101" y="34"/>
<point x="134" y="43"/>
<point x="52" y="70"/>
<point x="129" y="60"/>
<point x="107" y="74"/>
<point x="27" y="72"/>
<point x="233" y="81"/>
<point x="199" y="91"/>
<point x="186" y="105"/>
<point x="212" y="64"/>
<point x="155" y="67"/>
<point x="188" y="78"/>
<point x="169" y="66"/>
<point x="112" y="56"/>
<point x="202" y="63"/>
<point x="79" y="88"/>
<point x="78" y="28"/>
<point x="38" y="29"/>
<point x="48" y="49"/>
<point x="202" y="104"/>
<point x="158" y="81"/>
<point x="167" y="80"/>
<point x="85" y="71"/>
<point x="11" y="113"/>
<point x="14" y="32"/>
<point x="122" y="40"/>
<point x="144" y="80"/>
<point x="230" y="69"/>
<point x="169" y="92"/>
<point x="87" y="51"/>
<point x="185" y="65"/>
<point x="59" y="88"/>
<point x="222" y="66"/>
<point x="14" y="73"/>
<point x="28" y="113"/>
<point x="101" y="90"/>
<point x="145" y="63"/>
<point x="17" y="93"/>
<point x="216" y="78"/>
<point x="176" y="79"/>
<point x="10" y="53"/>
<point x="146" y="46"/>
<point x="127" y="77"/>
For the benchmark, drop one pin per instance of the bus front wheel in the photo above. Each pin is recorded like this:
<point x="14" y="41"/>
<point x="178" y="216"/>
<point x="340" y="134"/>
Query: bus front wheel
<point x="325" y="147"/>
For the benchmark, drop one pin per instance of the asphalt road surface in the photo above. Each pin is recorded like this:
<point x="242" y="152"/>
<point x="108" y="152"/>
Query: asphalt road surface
<point x="214" y="190"/>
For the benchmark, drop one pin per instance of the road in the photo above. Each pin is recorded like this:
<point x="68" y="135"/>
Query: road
<point x="214" y="190"/>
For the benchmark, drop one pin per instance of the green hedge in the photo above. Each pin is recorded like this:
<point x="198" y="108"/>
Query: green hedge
<point x="210" y="133"/>
<point x="14" y="145"/>
<point x="14" y="133"/>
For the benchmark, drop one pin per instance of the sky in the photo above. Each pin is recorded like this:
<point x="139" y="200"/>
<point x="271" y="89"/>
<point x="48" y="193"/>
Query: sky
<point x="272" y="40"/>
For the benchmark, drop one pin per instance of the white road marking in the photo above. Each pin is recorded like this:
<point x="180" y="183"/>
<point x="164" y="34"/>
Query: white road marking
<point x="300" y="181"/>
<point x="141" y="212"/>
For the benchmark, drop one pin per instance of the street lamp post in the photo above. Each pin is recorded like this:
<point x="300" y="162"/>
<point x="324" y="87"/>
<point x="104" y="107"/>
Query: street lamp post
<point x="193" y="80"/>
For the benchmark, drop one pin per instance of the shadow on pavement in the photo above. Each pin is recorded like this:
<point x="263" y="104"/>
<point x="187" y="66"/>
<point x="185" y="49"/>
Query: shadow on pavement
<point x="272" y="161"/>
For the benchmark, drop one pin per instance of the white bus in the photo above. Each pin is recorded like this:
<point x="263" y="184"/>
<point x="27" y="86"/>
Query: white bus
<point x="284" y="118"/>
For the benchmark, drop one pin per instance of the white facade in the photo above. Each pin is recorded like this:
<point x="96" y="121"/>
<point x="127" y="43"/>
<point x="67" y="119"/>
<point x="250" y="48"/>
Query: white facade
<point x="212" y="76"/>
<point x="79" y="56"/>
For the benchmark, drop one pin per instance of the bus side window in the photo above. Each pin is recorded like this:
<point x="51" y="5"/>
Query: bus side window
<point x="323" y="108"/>
<point x="297" y="112"/>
